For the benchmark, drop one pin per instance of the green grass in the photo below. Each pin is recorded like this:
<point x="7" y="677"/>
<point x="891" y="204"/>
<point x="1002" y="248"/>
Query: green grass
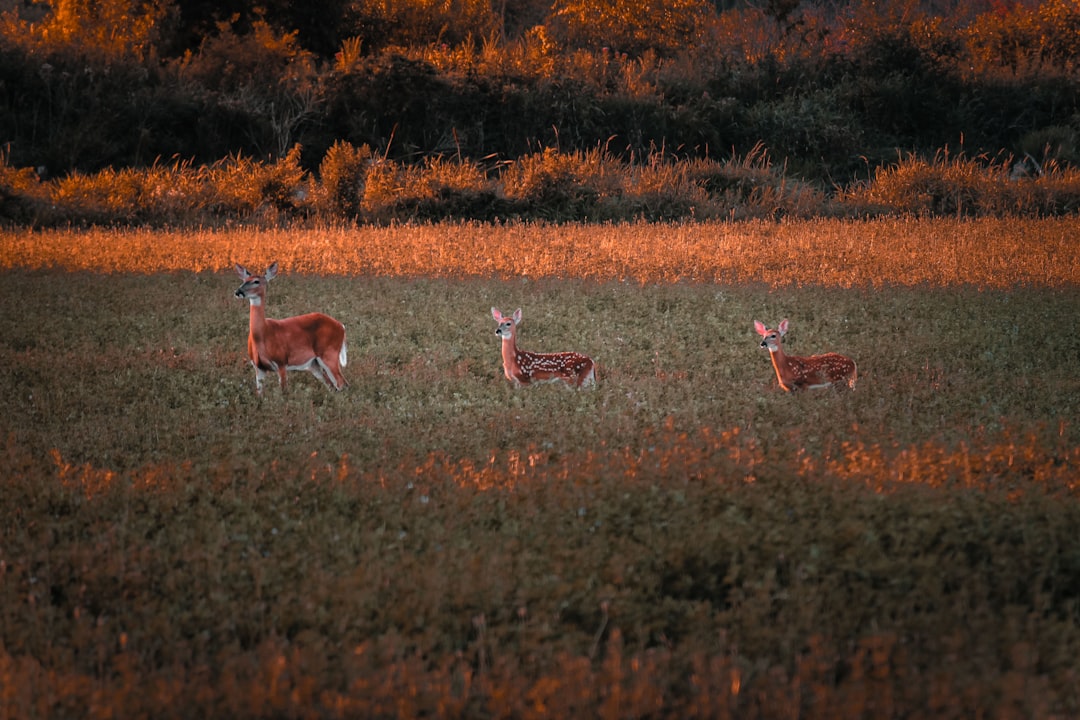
<point x="683" y="540"/>
<point x="141" y="369"/>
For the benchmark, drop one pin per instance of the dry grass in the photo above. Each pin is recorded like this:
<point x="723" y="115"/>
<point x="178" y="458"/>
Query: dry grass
<point x="984" y="253"/>
<point x="962" y="186"/>
<point x="682" y="541"/>
<point x="594" y="186"/>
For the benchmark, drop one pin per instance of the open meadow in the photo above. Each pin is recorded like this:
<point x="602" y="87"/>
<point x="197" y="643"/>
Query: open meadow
<point x="682" y="540"/>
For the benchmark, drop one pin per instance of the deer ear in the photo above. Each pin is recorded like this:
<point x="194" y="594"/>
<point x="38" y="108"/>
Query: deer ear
<point x="760" y="327"/>
<point x="783" y="327"/>
<point x="497" y="315"/>
<point x="517" y="316"/>
<point x="242" y="272"/>
<point x="271" y="272"/>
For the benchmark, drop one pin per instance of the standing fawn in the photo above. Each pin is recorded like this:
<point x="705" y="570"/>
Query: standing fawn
<point x="810" y="373"/>
<point x="312" y="342"/>
<point x="523" y="367"/>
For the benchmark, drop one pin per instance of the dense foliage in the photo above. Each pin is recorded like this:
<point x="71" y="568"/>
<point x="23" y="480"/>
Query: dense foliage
<point x="832" y="91"/>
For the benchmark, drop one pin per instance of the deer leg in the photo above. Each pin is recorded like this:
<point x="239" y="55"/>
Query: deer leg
<point x="332" y="372"/>
<point x="332" y="369"/>
<point x="316" y="369"/>
<point x="319" y="369"/>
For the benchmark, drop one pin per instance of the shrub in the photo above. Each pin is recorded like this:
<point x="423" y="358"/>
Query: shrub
<point x="750" y="186"/>
<point x="174" y="194"/>
<point x="656" y="190"/>
<point x="1026" y="39"/>
<point x="815" y="132"/>
<point x="436" y="189"/>
<point x="264" y="76"/>
<point x="181" y="194"/>
<point x="385" y="182"/>
<point x="665" y="26"/>
<point x="107" y="196"/>
<point x="343" y="173"/>
<point x="958" y="185"/>
<point x="107" y="32"/>
<point x="457" y="189"/>
<point x="1055" y="192"/>
<point x="561" y="186"/>
<point x="1057" y="143"/>
<point x="22" y="195"/>
<point x="376" y="100"/>
<point x="381" y="23"/>
<point x="241" y="187"/>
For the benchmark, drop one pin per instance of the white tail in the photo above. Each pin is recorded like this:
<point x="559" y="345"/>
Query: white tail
<point x="799" y="373"/>
<point x="312" y="342"/>
<point x="523" y="367"/>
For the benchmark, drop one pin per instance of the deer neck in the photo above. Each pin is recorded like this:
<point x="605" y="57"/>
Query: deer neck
<point x="510" y="356"/>
<point x="782" y="366"/>
<point x="257" y="317"/>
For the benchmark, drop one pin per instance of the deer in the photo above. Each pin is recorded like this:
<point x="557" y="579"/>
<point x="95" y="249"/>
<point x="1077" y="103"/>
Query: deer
<point x="523" y="367"/>
<point x="805" y="373"/>
<point x="312" y="342"/>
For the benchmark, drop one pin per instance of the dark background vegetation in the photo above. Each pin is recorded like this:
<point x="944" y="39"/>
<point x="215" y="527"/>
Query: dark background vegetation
<point x="832" y="89"/>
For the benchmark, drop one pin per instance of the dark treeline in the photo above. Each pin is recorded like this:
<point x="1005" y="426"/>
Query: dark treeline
<point x="833" y="90"/>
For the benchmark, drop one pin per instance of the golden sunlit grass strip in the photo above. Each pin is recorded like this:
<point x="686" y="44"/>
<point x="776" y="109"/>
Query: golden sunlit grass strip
<point x="989" y="253"/>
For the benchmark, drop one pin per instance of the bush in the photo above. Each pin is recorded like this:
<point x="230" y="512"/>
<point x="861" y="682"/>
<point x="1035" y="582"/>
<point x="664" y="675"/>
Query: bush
<point x="549" y="185"/>
<point x="815" y="133"/>
<point x="561" y="186"/>
<point x="658" y="190"/>
<point x="437" y="189"/>
<point x="242" y="187"/>
<point x="108" y="196"/>
<point x="115" y="31"/>
<point x="1025" y="39"/>
<point x="958" y="185"/>
<point x="22" y="195"/>
<point x="263" y="76"/>
<point x="1056" y="143"/>
<point x="665" y="26"/>
<point x="382" y="23"/>
<point x="751" y="186"/>
<point x="343" y="173"/>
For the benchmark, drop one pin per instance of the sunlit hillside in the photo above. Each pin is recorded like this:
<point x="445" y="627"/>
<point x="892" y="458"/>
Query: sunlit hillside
<point x="837" y="94"/>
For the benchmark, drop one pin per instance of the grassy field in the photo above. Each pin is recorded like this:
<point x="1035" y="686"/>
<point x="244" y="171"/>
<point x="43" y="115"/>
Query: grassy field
<point x="683" y="540"/>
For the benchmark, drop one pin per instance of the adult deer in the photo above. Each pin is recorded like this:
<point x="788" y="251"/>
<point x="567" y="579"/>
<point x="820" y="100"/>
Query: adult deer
<point x="312" y="342"/>
<point x="805" y="373"/>
<point x="523" y="367"/>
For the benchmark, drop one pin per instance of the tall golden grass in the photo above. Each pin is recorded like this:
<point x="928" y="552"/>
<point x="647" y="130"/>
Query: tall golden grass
<point x="595" y="186"/>
<point x="988" y="253"/>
